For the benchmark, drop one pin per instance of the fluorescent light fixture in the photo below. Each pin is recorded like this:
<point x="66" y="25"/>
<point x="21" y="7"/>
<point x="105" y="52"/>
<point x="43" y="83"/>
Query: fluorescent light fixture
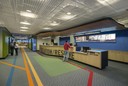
<point x="102" y="2"/>
<point x="47" y="28"/>
<point x="68" y="13"/>
<point x="23" y="30"/>
<point x="41" y="0"/>
<point x="46" y="37"/>
<point x="29" y="11"/>
<point x="19" y="37"/>
<point x="24" y="27"/>
<point x="107" y="2"/>
<point x="54" y="23"/>
<point x="27" y="14"/>
<point x="26" y="23"/>
<point x="92" y="32"/>
<point x="67" y="17"/>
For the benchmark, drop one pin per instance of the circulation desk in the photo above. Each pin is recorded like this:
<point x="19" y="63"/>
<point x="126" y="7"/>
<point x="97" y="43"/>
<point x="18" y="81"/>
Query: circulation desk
<point x="96" y="58"/>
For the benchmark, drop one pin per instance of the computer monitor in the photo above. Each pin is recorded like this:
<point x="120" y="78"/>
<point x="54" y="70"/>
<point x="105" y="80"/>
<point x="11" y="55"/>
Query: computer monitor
<point x="55" y="43"/>
<point x="46" y="43"/>
<point x="86" y="48"/>
<point x="78" y="48"/>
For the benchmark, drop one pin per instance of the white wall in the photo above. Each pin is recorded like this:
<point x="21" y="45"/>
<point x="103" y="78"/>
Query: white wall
<point x="72" y="40"/>
<point x="56" y="40"/>
<point x="41" y="41"/>
<point x="47" y="41"/>
<point x="1" y="43"/>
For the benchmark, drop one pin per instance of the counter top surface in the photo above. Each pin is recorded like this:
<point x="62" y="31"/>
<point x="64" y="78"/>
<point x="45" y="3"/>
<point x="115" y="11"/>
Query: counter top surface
<point x="61" y="46"/>
<point x="97" y="51"/>
<point x="85" y="53"/>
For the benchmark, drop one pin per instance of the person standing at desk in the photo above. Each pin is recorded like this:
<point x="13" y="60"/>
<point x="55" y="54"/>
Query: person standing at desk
<point x="12" y="48"/>
<point x="16" y="48"/>
<point x="66" y="52"/>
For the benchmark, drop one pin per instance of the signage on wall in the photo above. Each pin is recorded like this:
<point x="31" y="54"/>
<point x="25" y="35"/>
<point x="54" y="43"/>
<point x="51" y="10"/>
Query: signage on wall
<point x="56" y="52"/>
<point x="97" y="38"/>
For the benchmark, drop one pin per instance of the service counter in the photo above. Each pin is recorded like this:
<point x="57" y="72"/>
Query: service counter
<point x="54" y="50"/>
<point x="121" y="56"/>
<point x="96" y="58"/>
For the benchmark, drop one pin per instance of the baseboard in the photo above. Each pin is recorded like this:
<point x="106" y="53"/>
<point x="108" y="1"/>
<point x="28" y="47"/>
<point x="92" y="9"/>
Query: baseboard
<point x="4" y="57"/>
<point x="118" y="61"/>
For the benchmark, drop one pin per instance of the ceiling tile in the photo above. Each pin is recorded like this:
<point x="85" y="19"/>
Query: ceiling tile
<point x="83" y="11"/>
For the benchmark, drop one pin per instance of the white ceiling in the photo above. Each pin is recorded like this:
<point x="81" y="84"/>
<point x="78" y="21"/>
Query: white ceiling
<point x="68" y="13"/>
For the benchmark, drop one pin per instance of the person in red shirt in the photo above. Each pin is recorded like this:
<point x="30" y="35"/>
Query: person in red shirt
<point x="66" y="52"/>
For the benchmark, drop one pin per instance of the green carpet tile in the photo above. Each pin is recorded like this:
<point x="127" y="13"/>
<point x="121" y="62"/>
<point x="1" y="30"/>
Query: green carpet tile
<point x="54" y="66"/>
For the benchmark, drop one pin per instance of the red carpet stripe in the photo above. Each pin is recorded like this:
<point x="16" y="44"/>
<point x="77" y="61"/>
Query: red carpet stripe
<point x="90" y="75"/>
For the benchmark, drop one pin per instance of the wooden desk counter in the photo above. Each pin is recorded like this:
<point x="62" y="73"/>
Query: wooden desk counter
<point x="54" y="50"/>
<point x="96" y="58"/>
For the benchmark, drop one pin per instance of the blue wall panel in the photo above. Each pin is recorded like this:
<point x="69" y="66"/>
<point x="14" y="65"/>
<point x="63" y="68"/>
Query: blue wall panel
<point x="120" y="44"/>
<point x="63" y="39"/>
<point x="33" y="44"/>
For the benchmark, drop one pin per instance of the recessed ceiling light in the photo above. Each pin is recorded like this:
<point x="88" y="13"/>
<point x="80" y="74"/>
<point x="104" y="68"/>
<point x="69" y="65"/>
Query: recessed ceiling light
<point x="46" y="37"/>
<point x="102" y="2"/>
<point x="54" y="23"/>
<point x="26" y="23"/>
<point x="24" y="30"/>
<point x="107" y="2"/>
<point x="24" y="27"/>
<point x="66" y="17"/>
<point x="27" y="14"/>
<point x="47" y="28"/>
<point x="41" y="0"/>
<point x="28" y="10"/>
<point x="68" y="13"/>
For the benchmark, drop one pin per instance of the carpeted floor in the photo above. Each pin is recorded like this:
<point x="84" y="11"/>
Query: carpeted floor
<point x="52" y="71"/>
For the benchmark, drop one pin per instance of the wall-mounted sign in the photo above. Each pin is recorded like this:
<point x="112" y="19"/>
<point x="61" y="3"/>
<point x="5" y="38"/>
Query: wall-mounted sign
<point x="97" y="38"/>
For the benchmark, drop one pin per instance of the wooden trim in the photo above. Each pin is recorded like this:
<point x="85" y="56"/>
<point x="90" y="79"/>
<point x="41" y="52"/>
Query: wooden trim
<point x="103" y="23"/>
